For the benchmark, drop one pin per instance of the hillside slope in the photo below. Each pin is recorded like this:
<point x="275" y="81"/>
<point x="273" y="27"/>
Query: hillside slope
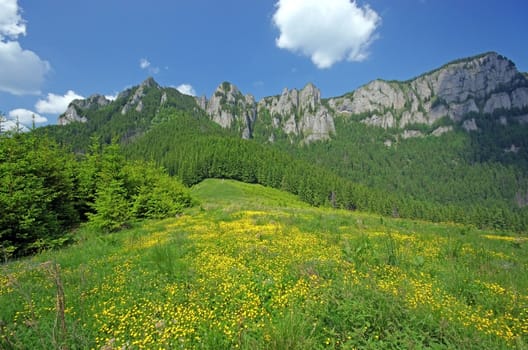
<point x="254" y="268"/>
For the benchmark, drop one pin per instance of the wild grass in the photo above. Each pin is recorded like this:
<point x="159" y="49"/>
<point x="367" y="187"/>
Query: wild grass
<point x="253" y="268"/>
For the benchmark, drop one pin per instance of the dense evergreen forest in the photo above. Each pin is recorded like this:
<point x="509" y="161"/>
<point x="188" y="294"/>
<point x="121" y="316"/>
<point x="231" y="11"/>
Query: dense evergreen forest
<point x="455" y="168"/>
<point x="46" y="191"/>
<point x="363" y="178"/>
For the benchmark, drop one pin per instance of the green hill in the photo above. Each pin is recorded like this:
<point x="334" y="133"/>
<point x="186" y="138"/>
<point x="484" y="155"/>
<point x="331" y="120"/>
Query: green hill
<point x="255" y="268"/>
<point x="470" y="170"/>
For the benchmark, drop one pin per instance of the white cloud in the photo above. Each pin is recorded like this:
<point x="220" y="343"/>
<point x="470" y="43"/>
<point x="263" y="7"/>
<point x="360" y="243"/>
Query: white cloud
<point x="111" y="97"/>
<point x="186" y="89"/>
<point x="327" y="31"/>
<point x="11" y="23"/>
<point x="56" y="104"/>
<point x="25" y="116"/>
<point x="22" y="72"/>
<point x="144" y="63"/>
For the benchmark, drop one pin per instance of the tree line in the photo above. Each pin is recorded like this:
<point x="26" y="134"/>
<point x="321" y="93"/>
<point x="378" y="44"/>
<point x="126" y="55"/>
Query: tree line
<point x="192" y="154"/>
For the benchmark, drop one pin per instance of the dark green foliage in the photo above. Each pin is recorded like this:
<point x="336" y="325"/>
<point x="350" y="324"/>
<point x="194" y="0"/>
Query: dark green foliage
<point x="156" y="194"/>
<point x="204" y="151"/>
<point x="37" y="201"/>
<point x="112" y="208"/>
<point x="45" y="192"/>
<point x="126" y="190"/>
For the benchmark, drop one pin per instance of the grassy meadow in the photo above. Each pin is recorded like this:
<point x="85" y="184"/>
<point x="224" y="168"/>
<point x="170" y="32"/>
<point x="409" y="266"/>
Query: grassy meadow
<point x="254" y="268"/>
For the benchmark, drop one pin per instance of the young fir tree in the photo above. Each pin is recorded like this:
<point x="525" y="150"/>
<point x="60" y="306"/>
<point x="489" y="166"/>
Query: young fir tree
<point x="111" y="205"/>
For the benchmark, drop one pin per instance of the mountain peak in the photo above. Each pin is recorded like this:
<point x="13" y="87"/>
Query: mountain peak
<point x="227" y="88"/>
<point x="149" y="82"/>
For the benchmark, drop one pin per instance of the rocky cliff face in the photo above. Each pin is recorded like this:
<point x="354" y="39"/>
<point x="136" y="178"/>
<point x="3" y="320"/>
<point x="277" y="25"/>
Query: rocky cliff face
<point x="76" y="109"/>
<point x="456" y="94"/>
<point x="486" y="84"/>
<point x="458" y="91"/>
<point x="295" y="113"/>
<point x="299" y="113"/>
<point x="229" y="108"/>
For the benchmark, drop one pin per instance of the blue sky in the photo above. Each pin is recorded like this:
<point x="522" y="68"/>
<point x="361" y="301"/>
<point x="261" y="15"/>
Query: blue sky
<point x="54" y="50"/>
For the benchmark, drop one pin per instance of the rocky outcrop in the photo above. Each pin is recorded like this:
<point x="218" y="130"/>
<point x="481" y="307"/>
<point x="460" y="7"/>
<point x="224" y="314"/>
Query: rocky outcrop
<point x="407" y="134"/>
<point x="202" y="102"/>
<point x="135" y="101"/>
<point x="484" y="84"/>
<point x="74" y="112"/>
<point x="294" y="112"/>
<point x="70" y="116"/>
<point x="385" y="121"/>
<point x="229" y="108"/>
<point x="441" y="130"/>
<point x="470" y="125"/>
<point x="299" y="113"/>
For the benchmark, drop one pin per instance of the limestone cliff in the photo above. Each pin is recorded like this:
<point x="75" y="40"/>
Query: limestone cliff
<point x="299" y="113"/>
<point x="294" y="113"/>
<point x="485" y="84"/>
<point x="135" y="102"/>
<point x="229" y="108"/>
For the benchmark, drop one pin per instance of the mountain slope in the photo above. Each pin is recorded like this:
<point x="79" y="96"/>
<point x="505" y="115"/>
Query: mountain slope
<point x="448" y="145"/>
<point x="134" y="111"/>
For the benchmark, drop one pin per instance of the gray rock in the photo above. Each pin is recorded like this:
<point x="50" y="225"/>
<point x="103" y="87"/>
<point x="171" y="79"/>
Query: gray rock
<point x="135" y="100"/>
<point x="512" y="149"/>
<point x="407" y="134"/>
<point x="294" y="112"/>
<point x="202" y="102"/>
<point x="458" y="110"/>
<point x="300" y="113"/>
<point x="519" y="98"/>
<point x="470" y="125"/>
<point x="386" y="121"/>
<point x="496" y="101"/>
<point x="441" y="130"/>
<point x="452" y="90"/>
<point x="228" y="105"/>
<point x="72" y="115"/>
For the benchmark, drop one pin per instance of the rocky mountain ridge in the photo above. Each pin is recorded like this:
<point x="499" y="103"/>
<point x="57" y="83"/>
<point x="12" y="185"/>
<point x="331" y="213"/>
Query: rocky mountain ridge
<point x="454" y="95"/>
<point x="486" y="84"/>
